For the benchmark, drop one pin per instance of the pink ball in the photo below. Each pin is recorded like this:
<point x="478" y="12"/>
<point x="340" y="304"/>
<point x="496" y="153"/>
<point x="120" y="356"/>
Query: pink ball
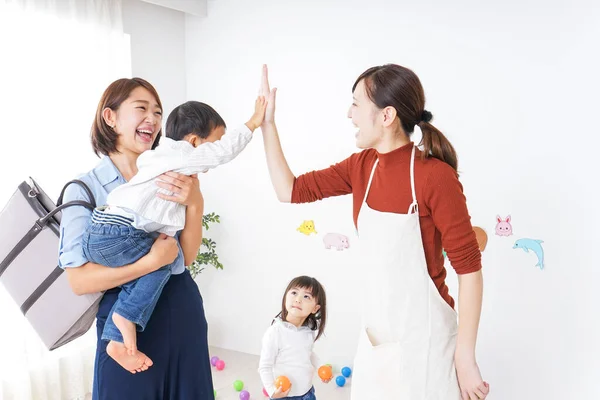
<point x="220" y="365"/>
<point x="265" y="392"/>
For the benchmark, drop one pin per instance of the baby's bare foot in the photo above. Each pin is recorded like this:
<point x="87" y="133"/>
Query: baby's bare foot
<point x="136" y="363"/>
<point x="128" y="331"/>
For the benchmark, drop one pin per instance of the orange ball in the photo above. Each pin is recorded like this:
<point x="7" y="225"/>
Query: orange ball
<point x="325" y="372"/>
<point x="283" y="382"/>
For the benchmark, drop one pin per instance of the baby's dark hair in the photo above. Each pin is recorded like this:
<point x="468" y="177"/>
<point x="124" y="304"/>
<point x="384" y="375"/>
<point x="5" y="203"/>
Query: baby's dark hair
<point x="192" y="117"/>
<point x="316" y="321"/>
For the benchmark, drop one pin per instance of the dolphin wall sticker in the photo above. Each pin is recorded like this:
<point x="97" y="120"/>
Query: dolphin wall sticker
<point x="533" y="245"/>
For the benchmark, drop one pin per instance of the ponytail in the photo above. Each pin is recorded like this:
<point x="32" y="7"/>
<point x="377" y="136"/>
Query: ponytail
<point x="316" y="322"/>
<point x="436" y="145"/>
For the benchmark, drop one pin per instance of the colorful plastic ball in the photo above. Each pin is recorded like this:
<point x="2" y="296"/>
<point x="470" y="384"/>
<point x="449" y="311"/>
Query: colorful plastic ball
<point x="325" y="373"/>
<point x="283" y="382"/>
<point x="214" y="360"/>
<point x="215" y="394"/>
<point x="265" y="392"/>
<point x="238" y="385"/>
<point x="244" y="395"/>
<point x="340" y="381"/>
<point x="220" y="365"/>
<point x="346" y="371"/>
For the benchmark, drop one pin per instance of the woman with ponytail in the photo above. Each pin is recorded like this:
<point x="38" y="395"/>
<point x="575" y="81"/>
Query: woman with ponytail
<point x="408" y="205"/>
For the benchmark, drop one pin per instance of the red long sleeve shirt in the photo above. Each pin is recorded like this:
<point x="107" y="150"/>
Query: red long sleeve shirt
<point x="445" y="220"/>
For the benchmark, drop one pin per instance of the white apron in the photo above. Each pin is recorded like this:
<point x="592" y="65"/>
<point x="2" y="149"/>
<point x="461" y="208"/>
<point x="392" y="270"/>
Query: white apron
<point x="408" y="338"/>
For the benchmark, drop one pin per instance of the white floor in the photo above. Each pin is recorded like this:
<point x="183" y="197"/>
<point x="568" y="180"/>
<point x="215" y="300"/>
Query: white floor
<point x="244" y="367"/>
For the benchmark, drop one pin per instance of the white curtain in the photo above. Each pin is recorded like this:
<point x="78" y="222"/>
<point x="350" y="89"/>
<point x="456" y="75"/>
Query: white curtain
<point x="56" y="58"/>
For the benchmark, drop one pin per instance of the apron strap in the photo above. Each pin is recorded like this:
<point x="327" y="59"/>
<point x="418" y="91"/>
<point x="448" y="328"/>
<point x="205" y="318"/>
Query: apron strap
<point x="370" y="180"/>
<point x="414" y="206"/>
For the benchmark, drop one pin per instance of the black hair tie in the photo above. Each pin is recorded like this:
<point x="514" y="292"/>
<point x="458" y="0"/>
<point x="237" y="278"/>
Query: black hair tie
<point x="426" y="116"/>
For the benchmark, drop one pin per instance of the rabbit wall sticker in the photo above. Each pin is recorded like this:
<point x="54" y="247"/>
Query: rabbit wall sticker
<point x="503" y="226"/>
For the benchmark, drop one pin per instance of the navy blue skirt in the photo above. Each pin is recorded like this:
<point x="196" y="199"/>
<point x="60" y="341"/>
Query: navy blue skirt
<point x="176" y="341"/>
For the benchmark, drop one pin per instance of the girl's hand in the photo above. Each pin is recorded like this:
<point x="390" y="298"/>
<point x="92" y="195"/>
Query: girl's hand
<point x="186" y="189"/>
<point x="279" y="394"/>
<point x="472" y="386"/>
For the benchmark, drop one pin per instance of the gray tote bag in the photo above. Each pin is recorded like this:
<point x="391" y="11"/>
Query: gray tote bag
<point x="29" y="270"/>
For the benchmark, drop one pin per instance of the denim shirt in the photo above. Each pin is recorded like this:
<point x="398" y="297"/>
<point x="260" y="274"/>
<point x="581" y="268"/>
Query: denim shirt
<point x="101" y="180"/>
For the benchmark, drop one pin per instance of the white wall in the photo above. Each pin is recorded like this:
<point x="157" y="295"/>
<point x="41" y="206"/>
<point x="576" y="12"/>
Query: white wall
<point x="514" y="86"/>
<point x="157" y="49"/>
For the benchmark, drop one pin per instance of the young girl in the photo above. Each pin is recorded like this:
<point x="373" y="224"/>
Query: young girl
<point x="287" y="346"/>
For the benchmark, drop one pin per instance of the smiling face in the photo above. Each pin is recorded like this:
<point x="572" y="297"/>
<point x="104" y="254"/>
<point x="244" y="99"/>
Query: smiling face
<point x="128" y="118"/>
<point x="366" y="117"/>
<point x="137" y="121"/>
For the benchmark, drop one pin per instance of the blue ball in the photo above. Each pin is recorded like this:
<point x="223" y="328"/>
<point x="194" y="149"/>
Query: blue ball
<point x="346" y="371"/>
<point x="340" y="381"/>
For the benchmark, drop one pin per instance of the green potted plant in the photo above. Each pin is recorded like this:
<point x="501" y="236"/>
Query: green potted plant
<point x="207" y="253"/>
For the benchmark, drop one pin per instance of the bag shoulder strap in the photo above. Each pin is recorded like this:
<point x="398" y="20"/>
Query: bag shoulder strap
<point x="83" y="185"/>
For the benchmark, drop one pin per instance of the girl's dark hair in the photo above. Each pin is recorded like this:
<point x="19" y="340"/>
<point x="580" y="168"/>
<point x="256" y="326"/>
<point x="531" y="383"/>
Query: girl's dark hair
<point x="104" y="138"/>
<point x="192" y="117"/>
<point x="395" y="86"/>
<point x="316" y="321"/>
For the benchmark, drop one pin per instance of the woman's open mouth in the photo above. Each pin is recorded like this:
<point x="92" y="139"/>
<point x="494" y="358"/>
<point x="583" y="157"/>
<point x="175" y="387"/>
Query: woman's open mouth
<point x="145" y="135"/>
